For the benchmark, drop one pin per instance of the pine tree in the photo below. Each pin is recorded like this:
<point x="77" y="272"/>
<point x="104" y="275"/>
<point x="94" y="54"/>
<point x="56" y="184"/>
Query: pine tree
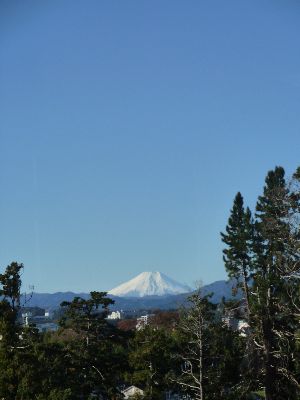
<point x="97" y="351"/>
<point x="269" y="247"/>
<point x="274" y="255"/>
<point x="10" y="284"/>
<point x="237" y="254"/>
<point x="151" y="360"/>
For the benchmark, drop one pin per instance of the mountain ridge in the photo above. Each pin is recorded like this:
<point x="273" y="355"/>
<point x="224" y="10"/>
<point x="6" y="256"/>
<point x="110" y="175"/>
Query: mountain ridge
<point x="52" y="301"/>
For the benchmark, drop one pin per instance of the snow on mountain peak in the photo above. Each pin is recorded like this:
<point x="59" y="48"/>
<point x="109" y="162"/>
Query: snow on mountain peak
<point x="149" y="284"/>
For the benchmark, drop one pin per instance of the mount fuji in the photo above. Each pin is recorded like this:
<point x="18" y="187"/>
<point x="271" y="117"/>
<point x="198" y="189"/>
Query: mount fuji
<point x="149" y="284"/>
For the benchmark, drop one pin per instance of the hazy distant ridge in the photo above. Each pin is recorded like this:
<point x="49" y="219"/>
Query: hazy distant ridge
<point x="52" y="300"/>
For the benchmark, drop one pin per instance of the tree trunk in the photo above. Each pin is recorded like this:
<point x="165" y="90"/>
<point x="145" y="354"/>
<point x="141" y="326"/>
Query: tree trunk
<point x="247" y="295"/>
<point x="269" y="363"/>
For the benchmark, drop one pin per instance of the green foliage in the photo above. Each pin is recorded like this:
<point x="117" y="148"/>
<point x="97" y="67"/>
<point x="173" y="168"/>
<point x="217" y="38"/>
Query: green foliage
<point x="10" y="283"/>
<point x="57" y="394"/>
<point x="150" y="359"/>
<point x="238" y="238"/>
<point x="97" y="353"/>
<point x="190" y="352"/>
<point x="267" y="250"/>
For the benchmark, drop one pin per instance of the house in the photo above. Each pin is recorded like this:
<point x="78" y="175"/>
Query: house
<point x="142" y="321"/>
<point x="48" y="314"/>
<point x="132" y="391"/>
<point x="26" y="316"/>
<point x="243" y="327"/>
<point x="115" y="315"/>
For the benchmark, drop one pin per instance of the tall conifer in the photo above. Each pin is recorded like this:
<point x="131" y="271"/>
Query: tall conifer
<point x="237" y="254"/>
<point x="268" y="248"/>
<point x="272" y="254"/>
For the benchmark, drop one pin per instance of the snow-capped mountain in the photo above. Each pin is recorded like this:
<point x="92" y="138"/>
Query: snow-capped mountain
<point x="149" y="284"/>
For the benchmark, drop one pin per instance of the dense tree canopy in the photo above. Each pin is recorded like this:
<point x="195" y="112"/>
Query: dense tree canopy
<point x="265" y="253"/>
<point x="197" y="352"/>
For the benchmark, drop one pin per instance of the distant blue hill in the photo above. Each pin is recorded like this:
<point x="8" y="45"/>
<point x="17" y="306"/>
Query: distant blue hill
<point x="219" y="289"/>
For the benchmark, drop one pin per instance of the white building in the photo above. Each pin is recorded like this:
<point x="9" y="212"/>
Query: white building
<point x="142" y="321"/>
<point x="243" y="327"/>
<point x="26" y="316"/>
<point x="48" y="314"/>
<point x="115" y="315"/>
<point x="132" y="391"/>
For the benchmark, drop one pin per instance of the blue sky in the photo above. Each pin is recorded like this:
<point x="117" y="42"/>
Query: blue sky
<point x="127" y="127"/>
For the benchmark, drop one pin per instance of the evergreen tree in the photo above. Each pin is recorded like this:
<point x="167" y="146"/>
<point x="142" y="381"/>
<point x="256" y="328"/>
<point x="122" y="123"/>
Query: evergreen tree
<point x="97" y="353"/>
<point x="10" y="282"/>
<point x="10" y="295"/>
<point x="151" y="360"/>
<point x="237" y="254"/>
<point x="271" y="247"/>
<point x="274" y="260"/>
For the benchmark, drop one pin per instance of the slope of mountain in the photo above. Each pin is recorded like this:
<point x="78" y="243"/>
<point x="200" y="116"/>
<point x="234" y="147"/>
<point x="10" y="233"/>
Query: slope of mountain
<point x="149" y="284"/>
<point x="50" y="300"/>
